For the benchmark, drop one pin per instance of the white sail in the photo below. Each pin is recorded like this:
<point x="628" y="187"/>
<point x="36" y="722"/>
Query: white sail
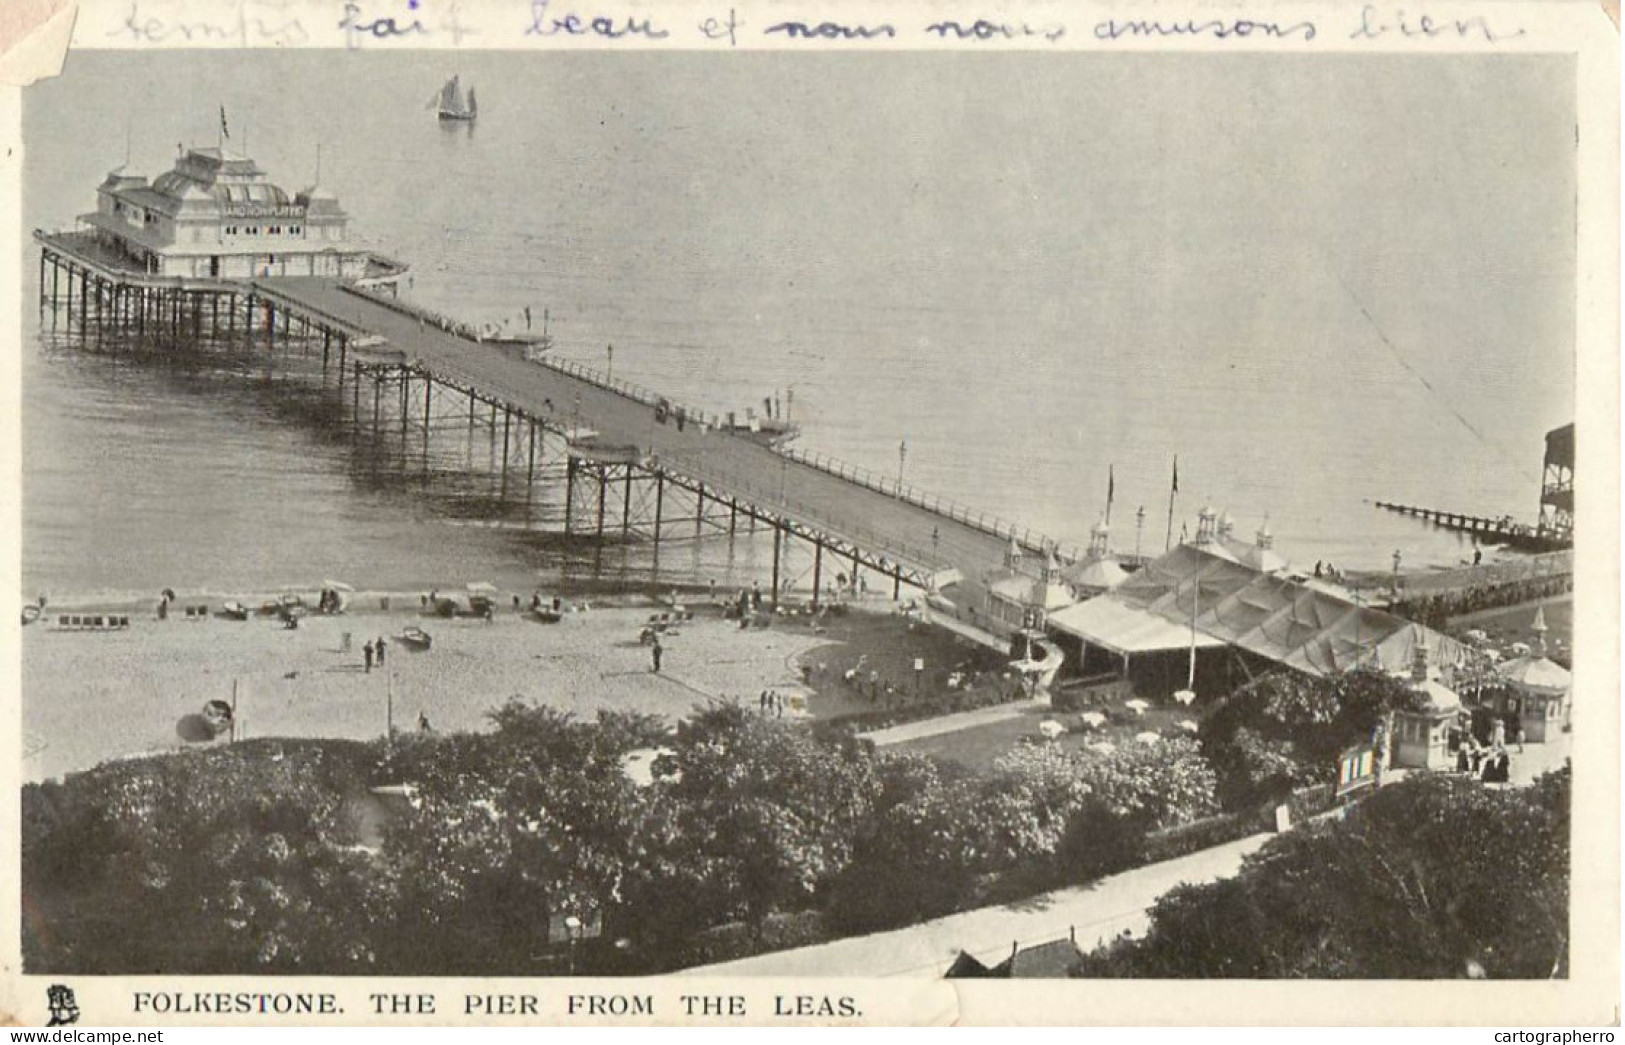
<point x="451" y="97"/>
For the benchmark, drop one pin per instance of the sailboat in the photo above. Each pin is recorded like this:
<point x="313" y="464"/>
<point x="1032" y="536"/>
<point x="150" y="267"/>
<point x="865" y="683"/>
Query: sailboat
<point x="451" y="103"/>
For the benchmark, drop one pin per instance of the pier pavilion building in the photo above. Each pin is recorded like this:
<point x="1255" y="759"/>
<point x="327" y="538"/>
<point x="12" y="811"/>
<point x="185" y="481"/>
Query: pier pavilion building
<point x="216" y="214"/>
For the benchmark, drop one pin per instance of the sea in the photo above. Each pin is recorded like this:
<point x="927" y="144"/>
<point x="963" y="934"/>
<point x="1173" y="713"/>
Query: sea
<point x="1025" y="281"/>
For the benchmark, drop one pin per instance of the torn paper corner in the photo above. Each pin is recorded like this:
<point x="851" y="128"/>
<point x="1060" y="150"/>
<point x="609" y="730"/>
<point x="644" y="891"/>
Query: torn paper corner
<point x="34" y="37"/>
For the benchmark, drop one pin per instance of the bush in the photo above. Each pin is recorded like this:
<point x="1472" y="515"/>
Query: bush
<point x="946" y="704"/>
<point x="1309" y="802"/>
<point x="1188" y="838"/>
<point x="736" y="940"/>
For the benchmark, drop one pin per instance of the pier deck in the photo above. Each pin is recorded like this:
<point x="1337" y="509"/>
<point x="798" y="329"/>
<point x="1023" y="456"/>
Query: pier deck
<point x="636" y="434"/>
<point x="744" y="467"/>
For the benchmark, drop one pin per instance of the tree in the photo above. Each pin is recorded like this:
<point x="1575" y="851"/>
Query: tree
<point x="1430" y="877"/>
<point x="1286" y="730"/>
<point x="508" y="831"/>
<point x="768" y="812"/>
<point x="920" y="854"/>
<point x="237" y="859"/>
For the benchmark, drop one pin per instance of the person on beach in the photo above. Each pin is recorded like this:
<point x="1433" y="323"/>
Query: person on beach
<point x="423" y="723"/>
<point x="756" y="595"/>
<point x="655" y="652"/>
<point x="366" y="656"/>
<point x="379" y="647"/>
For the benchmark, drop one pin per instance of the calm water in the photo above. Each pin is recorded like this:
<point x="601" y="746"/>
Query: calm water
<point x="1356" y="285"/>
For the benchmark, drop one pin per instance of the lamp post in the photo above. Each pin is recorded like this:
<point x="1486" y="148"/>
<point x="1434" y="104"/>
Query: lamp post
<point x="389" y="709"/>
<point x="1139" y="528"/>
<point x="902" y="458"/>
<point x="572" y="926"/>
<point x="609" y="372"/>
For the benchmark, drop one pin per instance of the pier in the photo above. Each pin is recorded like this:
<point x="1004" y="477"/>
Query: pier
<point x="1490" y="531"/>
<point x="635" y="465"/>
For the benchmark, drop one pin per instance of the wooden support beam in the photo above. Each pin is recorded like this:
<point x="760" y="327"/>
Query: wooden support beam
<point x="569" y="490"/>
<point x="778" y="537"/>
<point x="626" y="503"/>
<point x="818" y="569"/>
<point x="660" y="503"/>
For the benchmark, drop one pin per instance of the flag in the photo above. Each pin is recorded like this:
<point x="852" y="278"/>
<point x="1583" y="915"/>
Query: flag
<point x="225" y="132"/>
<point x="1176" y="473"/>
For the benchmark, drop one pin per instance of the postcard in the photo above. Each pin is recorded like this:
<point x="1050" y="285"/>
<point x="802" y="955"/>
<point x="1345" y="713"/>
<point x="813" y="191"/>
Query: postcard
<point x="647" y="513"/>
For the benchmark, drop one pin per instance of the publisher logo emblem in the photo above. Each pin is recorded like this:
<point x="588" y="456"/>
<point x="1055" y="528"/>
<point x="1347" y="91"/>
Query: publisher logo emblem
<point x="64" y="1007"/>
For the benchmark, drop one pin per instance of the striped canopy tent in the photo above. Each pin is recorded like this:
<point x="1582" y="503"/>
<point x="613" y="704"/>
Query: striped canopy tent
<point x="1229" y="603"/>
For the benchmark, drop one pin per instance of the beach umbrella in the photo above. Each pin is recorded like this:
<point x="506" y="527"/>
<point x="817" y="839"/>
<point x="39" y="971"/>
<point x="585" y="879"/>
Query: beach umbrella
<point x="1136" y="705"/>
<point x="1189" y="726"/>
<point x="1103" y="747"/>
<point x="1093" y="719"/>
<point x="1051" y="729"/>
<point x="1185" y="696"/>
<point x="1148" y="738"/>
<point x="337" y="586"/>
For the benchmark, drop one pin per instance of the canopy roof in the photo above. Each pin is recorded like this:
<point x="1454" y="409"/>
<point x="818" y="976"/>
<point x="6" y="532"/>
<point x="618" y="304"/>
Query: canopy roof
<point x="1234" y="604"/>
<point x="1122" y="629"/>
<point x="1095" y="573"/>
<point x="1536" y="673"/>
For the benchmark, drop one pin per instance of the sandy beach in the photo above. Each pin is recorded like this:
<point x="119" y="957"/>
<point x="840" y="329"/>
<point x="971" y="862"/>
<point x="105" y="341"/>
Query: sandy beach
<point x="94" y="696"/>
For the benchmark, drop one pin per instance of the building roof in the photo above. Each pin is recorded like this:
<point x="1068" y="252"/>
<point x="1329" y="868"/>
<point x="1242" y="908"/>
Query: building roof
<point x="1234" y="604"/>
<point x="1536" y="673"/>
<point x="1441" y="699"/>
<point x="1122" y="629"/>
<point x="967" y="967"/>
<point x="1054" y="960"/>
<point x="1012" y="586"/>
<point x="1099" y="574"/>
<point x="207" y="177"/>
<point x="1264" y="560"/>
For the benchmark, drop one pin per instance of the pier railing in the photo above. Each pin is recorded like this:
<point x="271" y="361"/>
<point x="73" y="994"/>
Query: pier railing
<point x="977" y="519"/>
<point x="986" y="522"/>
<point x="775" y="502"/>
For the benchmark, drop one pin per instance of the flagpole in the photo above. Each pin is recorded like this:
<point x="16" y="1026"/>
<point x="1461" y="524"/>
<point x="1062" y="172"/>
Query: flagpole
<point x="1168" y="542"/>
<point x="1196" y="595"/>
<point x="1111" y="491"/>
